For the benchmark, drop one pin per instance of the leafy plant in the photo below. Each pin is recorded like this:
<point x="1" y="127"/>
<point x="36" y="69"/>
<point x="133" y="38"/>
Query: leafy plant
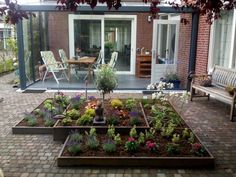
<point x="29" y="116"/>
<point x="116" y="103"/>
<point x="173" y="148"/>
<point x="111" y="131"/>
<point x="185" y="133"/>
<point x="117" y="139"/>
<point x="77" y="137"/>
<point x="135" y="121"/>
<point x="109" y="147"/>
<point x="141" y="138"/>
<point x="106" y="80"/>
<point x="90" y="112"/>
<point x="32" y="121"/>
<point x="158" y="125"/>
<point x="112" y="120"/>
<point x="73" y="114"/>
<point x="171" y="77"/>
<point x="49" y="122"/>
<point x="168" y="131"/>
<point x="130" y="103"/>
<point x="84" y="120"/>
<point x="66" y="122"/>
<point x="152" y="146"/>
<point x="131" y="145"/>
<point x="198" y="149"/>
<point x="191" y="138"/>
<point x="133" y="132"/>
<point x="175" y="138"/>
<point x="92" y="142"/>
<point x="74" y="148"/>
<point x="149" y="134"/>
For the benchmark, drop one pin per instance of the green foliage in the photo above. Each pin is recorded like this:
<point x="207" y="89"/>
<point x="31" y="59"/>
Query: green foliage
<point x="109" y="147"/>
<point x="49" y="122"/>
<point x="150" y="134"/>
<point x="74" y="149"/>
<point x="90" y="112"/>
<point x="185" y="133"/>
<point x="158" y="125"/>
<point x="168" y="131"/>
<point x="130" y="103"/>
<point x="92" y="142"/>
<point x="6" y="66"/>
<point x="111" y="131"/>
<point x="29" y="116"/>
<point x="117" y="139"/>
<point x="66" y="122"/>
<point x="131" y="145"/>
<point x="76" y="137"/>
<point x="12" y="45"/>
<point x="112" y="120"/>
<point x="73" y="114"/>
<point x="141" y="138"/>
<point x="191" y="138"/>
<point x="133" y="132"/>
<point x="84" y="120"/>
<point x="92" y="132"/>
<point x="106" y="79"/>
<point x="135" y="121"/>
<point x="173" y="148"/>
<point x="176" y="138"/>
<point x="48" y="105"/>
<point x="116" y="103"/>
<point x="32" y="121"/>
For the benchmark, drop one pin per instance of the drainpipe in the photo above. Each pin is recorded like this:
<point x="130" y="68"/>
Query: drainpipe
<point x="20" y="45"/>
<point x="193" y="47"/>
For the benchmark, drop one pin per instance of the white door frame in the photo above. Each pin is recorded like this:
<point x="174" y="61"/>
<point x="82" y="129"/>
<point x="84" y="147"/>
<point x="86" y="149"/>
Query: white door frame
<point x="156" y="42"/>
<point x="133" y="18"/>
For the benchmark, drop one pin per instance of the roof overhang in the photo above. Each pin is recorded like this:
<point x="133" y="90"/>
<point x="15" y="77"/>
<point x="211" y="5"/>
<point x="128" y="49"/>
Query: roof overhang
<point x="126" y="7"/>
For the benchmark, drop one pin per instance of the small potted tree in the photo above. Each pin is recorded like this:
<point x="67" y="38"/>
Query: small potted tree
<point x="106" y="81"/>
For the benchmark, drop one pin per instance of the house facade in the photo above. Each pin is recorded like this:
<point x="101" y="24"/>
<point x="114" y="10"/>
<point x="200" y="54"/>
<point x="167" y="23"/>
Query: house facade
<point x="169" y="45"/>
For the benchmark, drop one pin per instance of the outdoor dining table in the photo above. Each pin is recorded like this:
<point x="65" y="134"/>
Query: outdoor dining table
<point x="89" y="61"/>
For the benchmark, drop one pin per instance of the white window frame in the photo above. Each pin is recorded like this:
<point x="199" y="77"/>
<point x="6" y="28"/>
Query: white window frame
<point x="133" y="19"/>
<point x="212" y="42"/>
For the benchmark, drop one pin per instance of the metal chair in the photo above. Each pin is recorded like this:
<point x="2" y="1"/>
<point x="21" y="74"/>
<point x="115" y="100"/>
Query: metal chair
<point x="53" y="66"/>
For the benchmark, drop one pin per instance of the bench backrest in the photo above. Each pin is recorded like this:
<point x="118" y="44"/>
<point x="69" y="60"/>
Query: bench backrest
<point x="223" y="76"/>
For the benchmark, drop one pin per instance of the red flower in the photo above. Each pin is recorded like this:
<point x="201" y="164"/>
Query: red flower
<point x="131" y="139"/>
<point x="196" y="146"/>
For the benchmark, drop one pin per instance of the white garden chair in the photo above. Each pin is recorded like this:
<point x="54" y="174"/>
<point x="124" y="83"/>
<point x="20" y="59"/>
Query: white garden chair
<point x="53" y="66"/>
<point x="113" y="59"/>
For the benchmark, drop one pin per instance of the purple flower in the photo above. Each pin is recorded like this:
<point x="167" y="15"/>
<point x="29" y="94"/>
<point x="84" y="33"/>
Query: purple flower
<point x="91" y="97"/>
<point x="133" y="114"/>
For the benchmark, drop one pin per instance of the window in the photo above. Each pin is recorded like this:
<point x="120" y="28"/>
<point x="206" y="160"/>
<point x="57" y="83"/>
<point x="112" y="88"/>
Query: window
<point x="222" y="42"/>
<point x="5" y="33"/>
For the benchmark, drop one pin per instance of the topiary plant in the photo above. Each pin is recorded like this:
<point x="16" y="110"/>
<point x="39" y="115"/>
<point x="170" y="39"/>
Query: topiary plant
<point x="106" y="80"/>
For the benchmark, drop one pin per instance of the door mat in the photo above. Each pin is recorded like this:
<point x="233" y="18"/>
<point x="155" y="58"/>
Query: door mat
<point x="33" y="91"/>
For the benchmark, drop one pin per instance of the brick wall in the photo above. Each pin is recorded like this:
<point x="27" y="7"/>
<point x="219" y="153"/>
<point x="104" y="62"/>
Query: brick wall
<point x="184" y="48"/>
<point x="144" y="31"/>
<point x="202" y="46"/>
<point x="58" y="34"/>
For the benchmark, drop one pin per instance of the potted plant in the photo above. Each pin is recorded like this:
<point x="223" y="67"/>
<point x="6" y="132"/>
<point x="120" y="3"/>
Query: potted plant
<point x="172" y="78"/>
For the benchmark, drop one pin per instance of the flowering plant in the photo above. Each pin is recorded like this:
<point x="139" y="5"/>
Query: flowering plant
<point x="198" y="149"/>
<point x="131" y="145"/>
<point x="151" y="146"/>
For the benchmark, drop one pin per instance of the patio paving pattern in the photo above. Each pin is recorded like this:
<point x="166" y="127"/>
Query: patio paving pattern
<point x="35" y="155"/>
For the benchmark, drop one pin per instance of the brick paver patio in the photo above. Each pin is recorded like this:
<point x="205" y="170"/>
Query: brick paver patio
<point x="35" y="155"/>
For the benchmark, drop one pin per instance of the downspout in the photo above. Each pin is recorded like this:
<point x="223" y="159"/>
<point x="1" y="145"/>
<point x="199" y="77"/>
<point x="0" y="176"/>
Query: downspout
<point x="20" y="45"/>
<point x="193" y="47"/>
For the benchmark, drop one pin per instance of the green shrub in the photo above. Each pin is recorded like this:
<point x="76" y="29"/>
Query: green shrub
<point x="76" y="137"/>
<point x="84" y="120"/>
<point x="90" y="112"/>
<point x="116" y="103"/>
<point x="130" y="103"/>
<point x="73" y="114"/>
<point x="74" y="149"/>
<point x="66" y="122"/>
<point x="112" y="120"/>
<point x="49" y="122"/>
<point x="135" y="121"/>
<point x="32" y="122"/>
<point x="173" y="148"/>
<point x="131" y="145"/>
<point x="109" y="147"/>
<point x="92" y="142"/>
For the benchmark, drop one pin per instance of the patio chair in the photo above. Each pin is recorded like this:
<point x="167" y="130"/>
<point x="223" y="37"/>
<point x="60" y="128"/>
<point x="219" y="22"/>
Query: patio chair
<point x="53" y="66"/>
<point x="113" y="59"/>
<point x="98" y="61"/>
<point x="64" y="59"/>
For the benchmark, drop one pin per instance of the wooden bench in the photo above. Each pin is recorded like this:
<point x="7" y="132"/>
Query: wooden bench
<point x="220" y="78"/>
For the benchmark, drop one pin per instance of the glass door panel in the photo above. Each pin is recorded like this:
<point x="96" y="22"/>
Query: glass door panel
<point x="117" y="37"/>
<point x="87" y="37"/>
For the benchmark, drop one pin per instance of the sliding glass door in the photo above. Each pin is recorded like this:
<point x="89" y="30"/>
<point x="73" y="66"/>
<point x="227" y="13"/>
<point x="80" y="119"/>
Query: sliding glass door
<point x="105" y="33"/>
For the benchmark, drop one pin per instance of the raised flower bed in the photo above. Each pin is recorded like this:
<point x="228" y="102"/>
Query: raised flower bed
<point x="135" y="149"/>
<point x="42" y="119"/>
<point x="123" y="114"/>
